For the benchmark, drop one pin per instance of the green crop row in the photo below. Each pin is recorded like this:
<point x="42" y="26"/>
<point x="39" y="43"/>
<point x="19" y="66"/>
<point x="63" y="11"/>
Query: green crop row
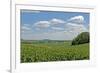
<point x="61" y="51"/>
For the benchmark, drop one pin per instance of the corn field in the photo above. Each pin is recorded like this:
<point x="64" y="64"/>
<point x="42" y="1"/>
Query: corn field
<point x="53" y="51"/>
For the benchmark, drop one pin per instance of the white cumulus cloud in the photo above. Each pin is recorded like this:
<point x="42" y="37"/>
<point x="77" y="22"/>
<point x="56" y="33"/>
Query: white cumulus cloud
<point x="42" y="24"/>
<point x="25" y="27"/>
<point x="75" y="25"/>
<point x="56" y="22"/>
<point x="76" y="19"/>
<point x="46" y="24"/>
<point x="75" y="28"/>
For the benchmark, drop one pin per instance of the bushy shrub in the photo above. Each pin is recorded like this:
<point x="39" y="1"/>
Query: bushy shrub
<point x="81" y="38"/>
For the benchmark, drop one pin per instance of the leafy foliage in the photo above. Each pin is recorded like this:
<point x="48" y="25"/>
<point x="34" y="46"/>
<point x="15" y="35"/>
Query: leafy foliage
<point x="51" y="51"/>
<point x="81" y="38"/>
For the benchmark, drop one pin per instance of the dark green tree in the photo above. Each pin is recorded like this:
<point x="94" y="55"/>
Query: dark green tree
<point x="81" y="38"/>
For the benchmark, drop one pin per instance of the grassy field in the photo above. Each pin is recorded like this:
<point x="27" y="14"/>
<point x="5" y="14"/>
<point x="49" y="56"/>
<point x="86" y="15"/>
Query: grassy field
<point x="40" y="51"/>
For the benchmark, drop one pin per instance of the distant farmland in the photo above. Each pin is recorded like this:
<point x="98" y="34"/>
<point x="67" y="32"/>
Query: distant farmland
<point x="52" y="50"/>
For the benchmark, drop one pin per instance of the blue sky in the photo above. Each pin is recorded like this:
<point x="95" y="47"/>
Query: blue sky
<point x="39" y="25"/>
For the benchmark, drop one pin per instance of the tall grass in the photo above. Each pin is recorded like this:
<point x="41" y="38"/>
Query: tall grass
<point x="54" y="51"/>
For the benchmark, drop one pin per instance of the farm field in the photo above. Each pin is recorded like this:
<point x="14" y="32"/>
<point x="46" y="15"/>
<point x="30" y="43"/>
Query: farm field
<point x="44" y="51"/>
